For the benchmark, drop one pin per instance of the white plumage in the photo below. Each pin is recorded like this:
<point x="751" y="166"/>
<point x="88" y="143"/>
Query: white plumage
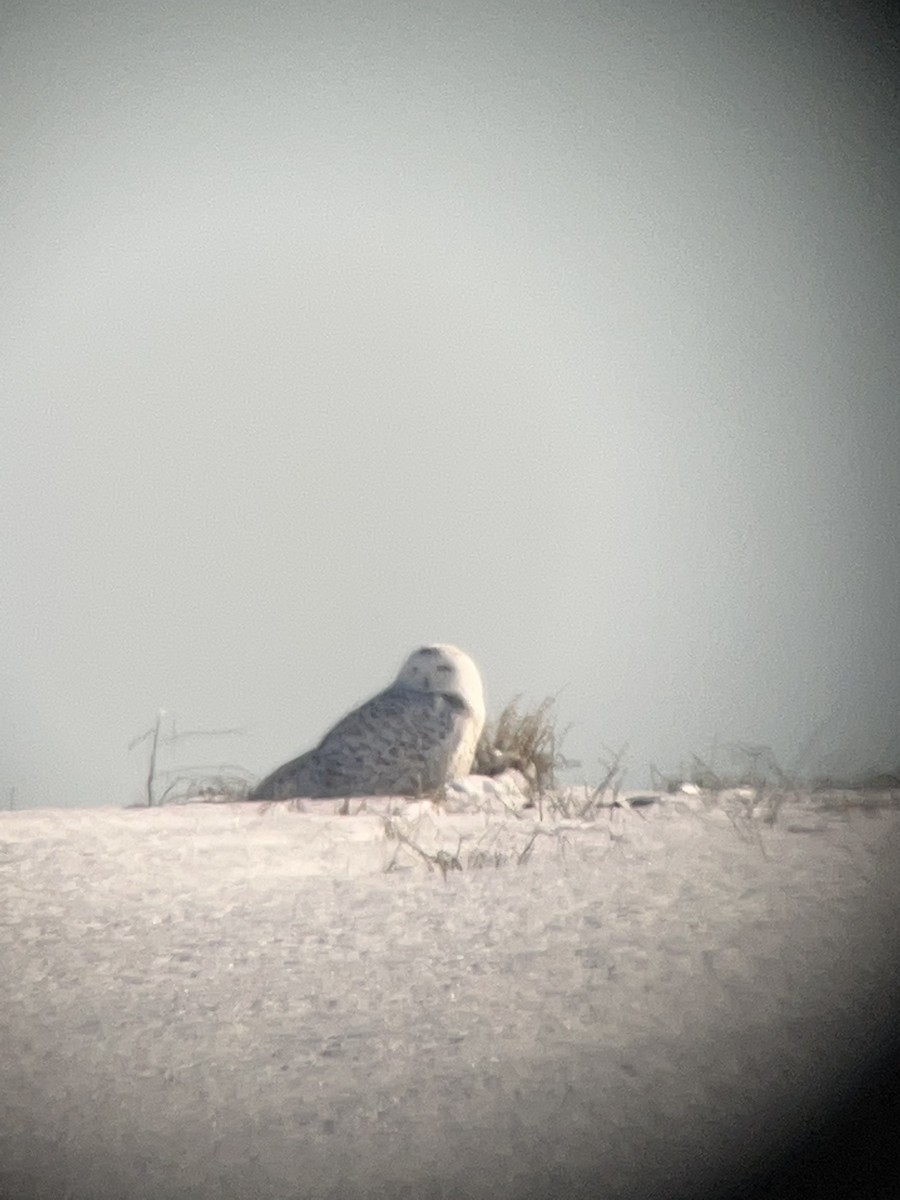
<point x="408" y="740"/>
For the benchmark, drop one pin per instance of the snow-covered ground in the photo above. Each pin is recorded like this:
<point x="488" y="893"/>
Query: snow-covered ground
<point x="244" y="1001"/>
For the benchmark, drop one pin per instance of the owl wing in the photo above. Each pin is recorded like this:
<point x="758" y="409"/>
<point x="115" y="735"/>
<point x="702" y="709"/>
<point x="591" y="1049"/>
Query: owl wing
<point x="394" y="743"/>
<point x="397" y="743"/>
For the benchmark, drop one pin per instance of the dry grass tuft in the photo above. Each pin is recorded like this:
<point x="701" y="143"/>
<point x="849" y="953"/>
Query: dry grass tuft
<point x="526" y="741"/>
<point x="228" y="787"/>
<point x="864" y="781"/>
<point x="747" y="766"/>
<point x="752" y="788"/>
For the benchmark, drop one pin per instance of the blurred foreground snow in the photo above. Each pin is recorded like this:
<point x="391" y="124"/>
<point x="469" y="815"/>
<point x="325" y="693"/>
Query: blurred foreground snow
<point x="241" y="1000"/>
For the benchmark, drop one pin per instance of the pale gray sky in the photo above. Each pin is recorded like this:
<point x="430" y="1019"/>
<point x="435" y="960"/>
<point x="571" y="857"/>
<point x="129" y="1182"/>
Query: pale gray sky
<point x="564" y="332"/>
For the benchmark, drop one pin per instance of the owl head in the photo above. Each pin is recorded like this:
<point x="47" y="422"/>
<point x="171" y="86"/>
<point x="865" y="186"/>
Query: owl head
<point x="448" y="670"/>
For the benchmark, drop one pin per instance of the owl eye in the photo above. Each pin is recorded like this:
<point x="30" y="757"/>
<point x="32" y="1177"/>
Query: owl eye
<point x="444" y="667"/>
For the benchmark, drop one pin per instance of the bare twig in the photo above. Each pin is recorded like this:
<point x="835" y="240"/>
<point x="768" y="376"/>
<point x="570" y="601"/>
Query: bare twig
<point x="224" y="779"/>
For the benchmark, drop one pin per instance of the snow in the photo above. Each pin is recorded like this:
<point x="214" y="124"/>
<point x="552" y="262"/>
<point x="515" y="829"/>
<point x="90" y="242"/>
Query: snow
<point x="244" y="1000"/>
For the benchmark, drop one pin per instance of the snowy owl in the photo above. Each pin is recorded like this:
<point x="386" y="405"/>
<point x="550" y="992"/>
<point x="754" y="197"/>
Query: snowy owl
<point x="406" y="741"/>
